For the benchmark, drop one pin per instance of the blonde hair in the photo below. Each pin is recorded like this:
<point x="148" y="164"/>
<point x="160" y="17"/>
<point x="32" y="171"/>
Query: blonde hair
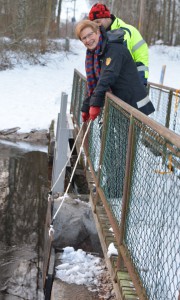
<point x="84" y="24"/>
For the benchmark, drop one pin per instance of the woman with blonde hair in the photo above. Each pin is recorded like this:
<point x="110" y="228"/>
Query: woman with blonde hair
<point x="109" y="67"/>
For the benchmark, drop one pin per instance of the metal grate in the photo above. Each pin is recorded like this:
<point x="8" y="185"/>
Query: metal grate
<point x="152" y="225"/>
<point x="160" y="100"/>
<point x="167" y="104"/>
<point x="114" y="159"/>
<point x="175" y="113"/>
<point x="94" y="141"/>
<point x="136" y="166"/>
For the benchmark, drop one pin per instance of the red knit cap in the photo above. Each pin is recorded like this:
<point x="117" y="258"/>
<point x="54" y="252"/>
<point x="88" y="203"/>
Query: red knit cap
<point x="99" y="11"/>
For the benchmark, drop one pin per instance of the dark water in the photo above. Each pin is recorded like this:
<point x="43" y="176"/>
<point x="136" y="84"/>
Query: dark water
<point x="23" y="204"/>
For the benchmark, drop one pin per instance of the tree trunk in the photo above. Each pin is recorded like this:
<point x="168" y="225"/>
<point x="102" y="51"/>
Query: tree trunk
<point x="58" y="17"/>
<point x="173" y="23"/>
<point x="48" y="11"/>
<point x="21" y="21"/>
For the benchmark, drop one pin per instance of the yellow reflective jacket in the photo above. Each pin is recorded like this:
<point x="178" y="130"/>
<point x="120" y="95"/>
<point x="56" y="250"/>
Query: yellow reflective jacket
<point x="136" y="45"/>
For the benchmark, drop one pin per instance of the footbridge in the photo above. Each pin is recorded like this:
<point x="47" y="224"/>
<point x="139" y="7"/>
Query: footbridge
<point x="132" y="165"/>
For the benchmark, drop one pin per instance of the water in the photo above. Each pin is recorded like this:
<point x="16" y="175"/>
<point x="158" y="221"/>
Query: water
<point x="23" y="204"/>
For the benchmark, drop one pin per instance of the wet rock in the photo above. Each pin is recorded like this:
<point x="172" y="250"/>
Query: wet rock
<point x="64" y="291"/>
<point x="9" y="131"/>
<point x="74" y="226"/>
<point x="19" y="273"/>
<point x="12" y="134"/>
<point x="23" y="280"/>
<point x="23" y="203"/>
<point x="38" y="136"/>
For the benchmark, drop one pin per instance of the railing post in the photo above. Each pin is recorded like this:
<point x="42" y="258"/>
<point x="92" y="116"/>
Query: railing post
<point x="169" y="108"/>
<point x="61" y="147"/>
<point x="129" y="160"/>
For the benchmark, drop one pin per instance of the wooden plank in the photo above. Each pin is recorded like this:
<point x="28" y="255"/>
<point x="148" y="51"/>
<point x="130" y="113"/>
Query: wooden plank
<point x="113" y="259"/>
<point x="47" y="242"/>
<point x="110" y="240"/>
<point x="50" y="276"/>
<point x="123" y="276"/>
<point x="127" y="284"/>
<point x="129" y="291"/>
<point x="104" y="248"/>
<point x="124" y="281"/>
<point x="130" y="297"/>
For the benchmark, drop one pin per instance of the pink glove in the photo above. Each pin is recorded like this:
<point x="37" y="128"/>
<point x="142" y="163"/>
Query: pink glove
<point x="94" y="112"/>
<point x="85" y="116"/>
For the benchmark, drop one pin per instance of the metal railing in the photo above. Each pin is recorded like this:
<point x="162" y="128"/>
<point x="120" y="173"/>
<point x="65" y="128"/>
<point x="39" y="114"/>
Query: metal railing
<point x="135" y="163"/>
<point x="166" y="101"/>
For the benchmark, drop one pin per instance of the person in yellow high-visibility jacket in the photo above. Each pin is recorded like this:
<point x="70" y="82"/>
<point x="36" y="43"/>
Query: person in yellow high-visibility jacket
<point x="137" y="46"/>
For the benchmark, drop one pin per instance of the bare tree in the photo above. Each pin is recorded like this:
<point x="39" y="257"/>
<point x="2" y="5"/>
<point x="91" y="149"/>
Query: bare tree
<point x="171" y="38"/>
<point x="58" y="17"/>
<point x="156" y="19"/>
<point x="21" y="19"/>
<point x="48" y="10"/>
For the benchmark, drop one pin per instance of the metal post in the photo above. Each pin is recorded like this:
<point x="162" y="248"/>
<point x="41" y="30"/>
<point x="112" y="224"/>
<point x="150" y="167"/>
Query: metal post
<point x="161" y="82"/>
<point x="141" y="16"/>
<point x="67" y="21"/>
<point x="61" y="148"/>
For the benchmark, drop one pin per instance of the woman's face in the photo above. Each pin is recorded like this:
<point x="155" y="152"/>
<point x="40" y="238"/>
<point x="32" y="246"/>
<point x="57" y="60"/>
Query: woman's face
<point x="89" y="38"/>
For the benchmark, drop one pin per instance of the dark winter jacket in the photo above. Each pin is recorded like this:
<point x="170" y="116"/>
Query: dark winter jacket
<point x="136" y="46"/>
<point x="118" y="75"/>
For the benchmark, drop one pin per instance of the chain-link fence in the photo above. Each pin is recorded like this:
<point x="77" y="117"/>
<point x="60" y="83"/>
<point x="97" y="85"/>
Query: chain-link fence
<point x="78" y="95"/>
<point x="152" y="233"/>
<point x="136" y="163"/>
<point x="167" y="106"/>
<point x="166" y="101"/>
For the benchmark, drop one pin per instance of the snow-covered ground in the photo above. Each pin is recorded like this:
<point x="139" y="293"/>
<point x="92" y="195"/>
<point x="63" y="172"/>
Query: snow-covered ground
<point x="30" y="95"/>
<point x="160" y="55"/>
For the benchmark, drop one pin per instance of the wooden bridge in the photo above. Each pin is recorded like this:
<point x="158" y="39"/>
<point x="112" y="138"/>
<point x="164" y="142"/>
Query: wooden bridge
<point x="134" y="162"/>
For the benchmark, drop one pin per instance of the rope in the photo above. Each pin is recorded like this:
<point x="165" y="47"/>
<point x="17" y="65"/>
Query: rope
<point x="176" y="100"/>
<point x="169" y="167"/>
<point x="177" y="95"/>
<point x="65" y="194"/>
<point x="67" y="160"/>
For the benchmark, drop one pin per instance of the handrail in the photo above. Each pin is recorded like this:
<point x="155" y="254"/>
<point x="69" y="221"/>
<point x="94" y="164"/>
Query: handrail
<point x="166" y="132"/>
<point x="135" y="163"/>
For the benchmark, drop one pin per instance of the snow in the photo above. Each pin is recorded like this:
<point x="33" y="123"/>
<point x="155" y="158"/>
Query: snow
<point x="112" y="250"/>
<point x="160" y="55"/>
<point x="79" y="267"/>
<point x="30" y="95"/>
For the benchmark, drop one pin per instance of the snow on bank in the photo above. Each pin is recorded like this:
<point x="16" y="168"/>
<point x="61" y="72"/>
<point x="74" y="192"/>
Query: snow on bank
<point x="160" y="55"/>
<point x="30" y="95"/>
